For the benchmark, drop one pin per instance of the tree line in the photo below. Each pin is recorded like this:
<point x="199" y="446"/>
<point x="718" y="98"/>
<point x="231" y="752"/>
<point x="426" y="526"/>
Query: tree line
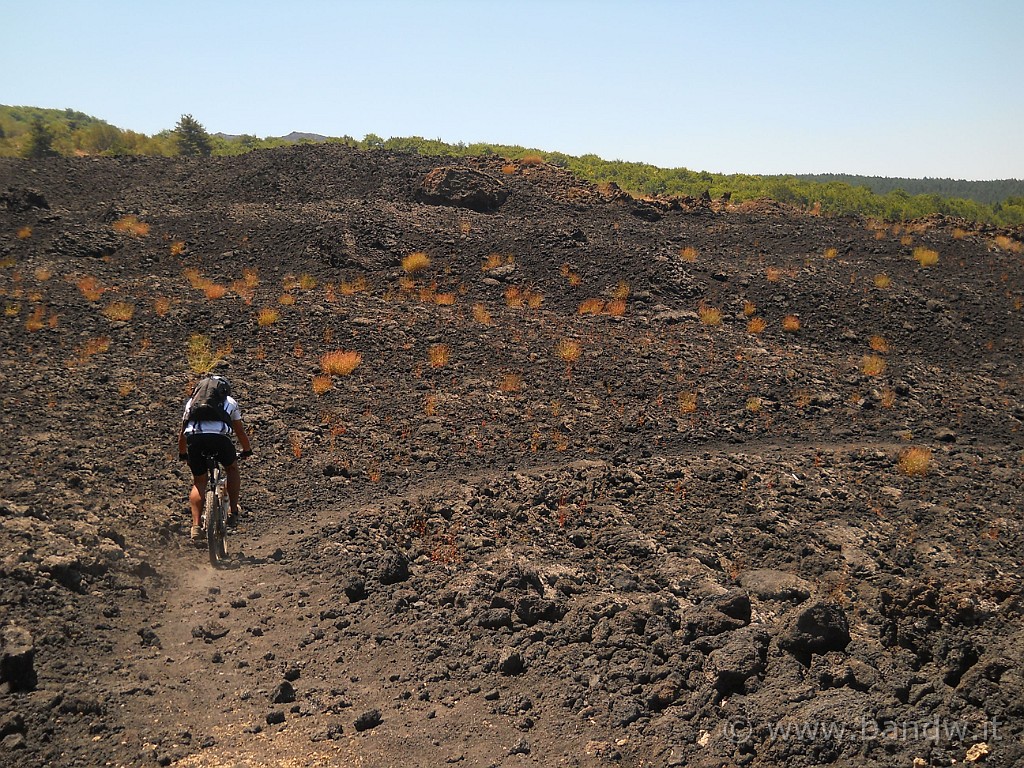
<point x="35" y="132"/>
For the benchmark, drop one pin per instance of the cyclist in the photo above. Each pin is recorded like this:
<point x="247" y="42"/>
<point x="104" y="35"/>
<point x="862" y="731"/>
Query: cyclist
<point x="199" y="435"/>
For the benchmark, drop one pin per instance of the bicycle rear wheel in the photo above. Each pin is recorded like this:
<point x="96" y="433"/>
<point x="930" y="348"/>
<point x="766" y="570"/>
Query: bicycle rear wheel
<point x="214" y="518"/>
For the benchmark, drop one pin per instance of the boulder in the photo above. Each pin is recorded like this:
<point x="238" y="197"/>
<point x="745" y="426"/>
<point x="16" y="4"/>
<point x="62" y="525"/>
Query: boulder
<point x="462" y="188"/>
<point x="17" y="659"/>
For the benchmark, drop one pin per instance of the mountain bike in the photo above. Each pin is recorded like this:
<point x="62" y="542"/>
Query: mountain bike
<point x="215" y="510"/>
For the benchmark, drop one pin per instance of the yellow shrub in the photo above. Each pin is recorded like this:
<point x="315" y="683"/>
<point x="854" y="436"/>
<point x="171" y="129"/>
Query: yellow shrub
<point x="756" y="325"/>
<point x="621" y="290"/>
<point x="687" y="402"/>
<point x="438" y="355"/>
<point x="25" y="233"/>
<point x="321" y="384"/>
<point x="754" y="404"/>
<point x="35" y="320"/>
<point x="214" y="291"/>
<point x="492" y="261"/>
<point x="616" y="308"/>
<point x="444" y="299"/>
<point x="882" y="281"/>
<point x="926" y="257"/>
<point x="689" y="253"/>
<point x="90" y="288"/>
<point x="177" y="248"/>
<point x="879" y="344"/>
<point x="511" y="382"/>
<point x="591" y="307"/>
<point x="120" y="311"/>
<point x="481" y="315"/>
<point x="872" y="365"/>
<point x="568" y="350"/>
<point x="791" y="323"/>
<point x="415" y="263"/>
<point x="200" y="355"/>
<point x="749" y="308"/>
<point x="915" y="462"/>
<point x="532" y="158"/>
<point x="831" y="253"/>
<point x="307" y="282"/>
<point x="772" y="274"/>
<point x="340" y="363"/>
<point x="267" y="316"/>
<point x="286" y="299"/>
<point x="709" y="315"/>
<point x="161" y="305"/>
<point x="514" y="297"/>
<point x="131" y="225"/>
<point x="42" y="274"/>
<point x="356" y="286"/>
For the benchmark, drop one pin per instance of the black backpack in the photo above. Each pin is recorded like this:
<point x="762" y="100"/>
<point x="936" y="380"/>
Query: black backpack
<point x="209" y="400"/>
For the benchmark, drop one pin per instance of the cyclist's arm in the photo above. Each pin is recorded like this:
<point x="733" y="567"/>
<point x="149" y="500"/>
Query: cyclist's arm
<point x="243" y="436"/>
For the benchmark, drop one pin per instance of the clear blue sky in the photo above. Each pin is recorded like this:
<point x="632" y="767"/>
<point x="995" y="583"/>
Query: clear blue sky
<point x="879" y="87"/>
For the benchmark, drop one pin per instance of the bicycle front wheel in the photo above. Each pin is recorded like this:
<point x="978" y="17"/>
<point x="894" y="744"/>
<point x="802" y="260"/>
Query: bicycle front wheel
<point x="214" y="529"/>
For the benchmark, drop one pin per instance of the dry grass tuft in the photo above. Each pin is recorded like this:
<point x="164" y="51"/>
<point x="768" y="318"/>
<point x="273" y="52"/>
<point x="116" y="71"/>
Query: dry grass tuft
<point x="35" y="320"/>
<point x="926" y="257"/>
<point x="532" y="158"/>
<point x="915" y="462"/>
<point x="1007" y="244"/>
<point x="514" y="297"/>
<point x="508" y="169"/>
<point x="791" y="323"/>
<point x="214" y="291"/>
<point x="493" y="261"/>
<point x="754" y="404"/>
<point x="161" y="305"/>
<point x="872" y="365"/>
<point x="687" y="402"/>
<point x="267" y="316"/>
<point x="621" y="290"/>
<point x="481" y="315"/>
<point x="321" y="384"/>
<point x="90" y="288"/>
<point x="688" y="254"/>
<point x="882" y="281"/>
<point x="888" y="397"/>
<point x="772" y="274"/>
<point x="42" y="274"/>
<point x="177" y="248"/>
<point x="200" y="354"/>
<point x="831" y="253"/>
<point x="295" y="443"/>
<point x="130" y="225"/>
<point x="340" y="362"/>
<point x="879" y="344"/>
<point x="119" y="311"/>
<point x="568" y="350"/>
<point x="307" y="282"/>
<point x="906" y="240"/>
<point x="511" y="382"/>
<point x="444" y="299"/>
<point x="709" y="316"/>
<point x="756" y="325"/>
<point x="615" y="308"/>
<point x="24" y="233"/>
<point x="959" y="233"/>
<point x="358" y="285"/>
<point x="415" y="263"/>
<point x="591" y="307"/>
<point x="286" y="299"/>
<point x="749" y="308"/>
<point x="439" y="355"/>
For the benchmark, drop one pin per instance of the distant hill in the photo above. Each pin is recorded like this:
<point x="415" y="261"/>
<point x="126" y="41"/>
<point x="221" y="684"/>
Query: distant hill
<point x="999" y="202"/>
<point x="987" y="192"/>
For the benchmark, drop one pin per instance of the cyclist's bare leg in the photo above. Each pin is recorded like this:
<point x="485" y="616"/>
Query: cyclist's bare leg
<point x="196" y="496"/>
<point x="234" y="486"/>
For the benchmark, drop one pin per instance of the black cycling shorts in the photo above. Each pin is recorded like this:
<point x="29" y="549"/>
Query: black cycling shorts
<point x="200" y="444"/>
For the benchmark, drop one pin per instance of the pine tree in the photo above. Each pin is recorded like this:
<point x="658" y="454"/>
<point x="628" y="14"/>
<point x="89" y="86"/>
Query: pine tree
<point x="40" y="141"/>
<point x="191" y="138"/>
